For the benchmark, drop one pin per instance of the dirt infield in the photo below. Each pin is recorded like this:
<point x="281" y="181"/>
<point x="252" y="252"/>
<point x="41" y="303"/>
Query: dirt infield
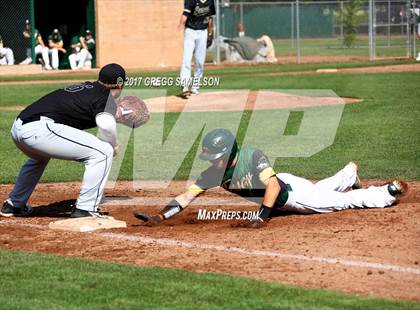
<point x="365" y="252"/>
<point x="238" y="100"/>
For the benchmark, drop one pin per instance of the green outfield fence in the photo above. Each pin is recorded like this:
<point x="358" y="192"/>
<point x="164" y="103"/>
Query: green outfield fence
<point x="308" y="28"/>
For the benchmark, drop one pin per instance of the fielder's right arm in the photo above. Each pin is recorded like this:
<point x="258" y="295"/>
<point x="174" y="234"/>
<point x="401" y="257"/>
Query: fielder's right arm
<point x="174" y="207"/>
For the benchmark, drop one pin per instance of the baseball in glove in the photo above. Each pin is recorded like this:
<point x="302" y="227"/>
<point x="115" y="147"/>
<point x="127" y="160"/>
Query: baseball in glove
<point x="132" y="111"/>
<point x="209" y="39"/>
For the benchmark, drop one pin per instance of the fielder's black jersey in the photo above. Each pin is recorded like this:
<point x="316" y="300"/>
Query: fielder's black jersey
<point x="75" y="106"/>
<point x="198" y="13"/>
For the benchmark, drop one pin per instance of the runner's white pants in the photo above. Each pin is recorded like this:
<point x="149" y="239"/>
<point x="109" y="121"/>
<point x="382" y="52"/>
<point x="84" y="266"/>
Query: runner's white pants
<point x="45" y="139"/>
<point x="329" y="195"/>
<point x="195" y="43"/>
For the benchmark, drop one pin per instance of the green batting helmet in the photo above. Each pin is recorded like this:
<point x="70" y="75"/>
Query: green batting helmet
<point x="218" y="143"/>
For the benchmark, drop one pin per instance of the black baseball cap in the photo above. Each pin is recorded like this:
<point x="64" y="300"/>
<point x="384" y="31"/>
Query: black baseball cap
<point x="112" y="74"/>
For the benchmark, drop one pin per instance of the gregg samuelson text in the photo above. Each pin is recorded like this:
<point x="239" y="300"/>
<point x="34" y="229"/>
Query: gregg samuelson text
<point x="167" y="81"/>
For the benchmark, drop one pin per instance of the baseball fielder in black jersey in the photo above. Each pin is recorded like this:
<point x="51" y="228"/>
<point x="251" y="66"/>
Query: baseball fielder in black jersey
<point x="197" y="20"/>
<point x="248" y="173"/>
<point x="52" y="127"/>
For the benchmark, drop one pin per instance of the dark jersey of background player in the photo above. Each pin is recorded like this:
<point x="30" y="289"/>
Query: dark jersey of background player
<point x="198" y="13"/>
<point x="55" y="38"/>
<point x="247" y="178"/>
<point x="75" y="106"/>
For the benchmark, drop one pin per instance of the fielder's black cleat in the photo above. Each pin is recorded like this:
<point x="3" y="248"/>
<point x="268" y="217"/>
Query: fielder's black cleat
<point x="78" y="213"/>
<point x="9" y="210"/>
<point x="397" y="187"/>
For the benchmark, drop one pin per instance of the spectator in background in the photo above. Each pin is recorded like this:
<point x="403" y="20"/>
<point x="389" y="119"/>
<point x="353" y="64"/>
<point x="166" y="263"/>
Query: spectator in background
<point x="6" y="55"/>
<point x="417" y="15"/>
<point x="40" y="48"/>
<point x="83" y="48"/>
<point x="55" y="43"/>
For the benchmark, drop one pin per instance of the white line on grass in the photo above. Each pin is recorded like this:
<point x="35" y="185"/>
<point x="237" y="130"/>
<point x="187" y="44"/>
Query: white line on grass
<point x="252" y="252"/>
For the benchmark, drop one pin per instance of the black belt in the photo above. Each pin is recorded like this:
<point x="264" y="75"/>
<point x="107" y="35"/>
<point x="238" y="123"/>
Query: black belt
<point x="30" y="119"/>
<point x="196" y="28"/>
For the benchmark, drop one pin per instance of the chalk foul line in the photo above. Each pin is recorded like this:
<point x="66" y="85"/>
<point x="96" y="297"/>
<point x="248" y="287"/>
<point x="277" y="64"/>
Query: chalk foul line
<point x="220" y="248"/>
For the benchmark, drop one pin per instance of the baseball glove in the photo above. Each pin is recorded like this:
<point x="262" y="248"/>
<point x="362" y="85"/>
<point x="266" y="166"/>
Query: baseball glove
<point x="209" y="39"/>
<point x="132" y="111"/>
<point x="150" y="220"/>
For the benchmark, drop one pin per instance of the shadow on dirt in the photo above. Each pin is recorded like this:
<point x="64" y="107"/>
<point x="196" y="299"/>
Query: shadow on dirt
<point x="56" y="209"/>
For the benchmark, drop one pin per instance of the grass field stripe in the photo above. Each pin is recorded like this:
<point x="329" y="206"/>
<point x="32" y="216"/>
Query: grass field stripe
<point x="220" y="248"/>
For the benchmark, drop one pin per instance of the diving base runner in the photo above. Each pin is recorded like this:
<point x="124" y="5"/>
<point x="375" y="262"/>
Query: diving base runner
<point x="248" y="173"/>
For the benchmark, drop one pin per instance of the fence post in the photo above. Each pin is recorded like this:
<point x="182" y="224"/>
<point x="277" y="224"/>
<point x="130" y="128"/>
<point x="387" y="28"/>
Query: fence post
<point x="414" y="20"/>
<point x="341" y="20"/>
<point x="389" y="23"/>
<point x="407" y="17"/>
<point x="223" y="22"/>
<point x="32" y="21"/>
<point x="371" y="30"/>
<point x="241" y="14"/>
<point x="217" y="32"/>
<point x="292" y="25"/>
<point x="297" y="33"/>
<point x="402" y="22"/>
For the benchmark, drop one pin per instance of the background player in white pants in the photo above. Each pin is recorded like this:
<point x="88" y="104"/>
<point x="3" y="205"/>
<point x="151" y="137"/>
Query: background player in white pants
<point x="55" y="43"/>
<point x="40" y="48"/>
<point x="6" y="54"/>
<point x="52" y="127"/>
<point x="82" y="51"/>
<point x="248" y="173"/>
<point x="198" y="21"/>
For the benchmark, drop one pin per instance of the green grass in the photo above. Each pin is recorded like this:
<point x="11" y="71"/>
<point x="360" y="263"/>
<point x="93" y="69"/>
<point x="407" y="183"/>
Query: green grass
<point x="25" y="94"/>
<point x="211" y="70"/>
<point x="382" y="133"/>
<point x="334" y="47"/>
<point x="39" y="281"/>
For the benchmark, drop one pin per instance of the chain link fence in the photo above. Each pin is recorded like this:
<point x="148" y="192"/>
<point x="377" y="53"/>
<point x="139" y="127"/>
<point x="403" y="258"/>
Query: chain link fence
<point x="303" y="30"/>
<point x="14" y="17"/>
<point x="26" y="25"/>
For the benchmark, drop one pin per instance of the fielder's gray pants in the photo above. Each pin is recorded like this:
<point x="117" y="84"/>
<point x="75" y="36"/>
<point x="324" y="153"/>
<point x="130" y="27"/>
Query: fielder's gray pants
<point x="45" y="139"/>
<point x="195" y="43"/>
